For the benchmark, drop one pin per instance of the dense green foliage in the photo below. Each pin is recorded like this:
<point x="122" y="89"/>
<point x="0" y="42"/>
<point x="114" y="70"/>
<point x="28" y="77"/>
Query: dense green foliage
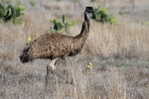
<point x="62" y="24"/>
<point x="9" y="12"/>
<point x="103" y="15"/>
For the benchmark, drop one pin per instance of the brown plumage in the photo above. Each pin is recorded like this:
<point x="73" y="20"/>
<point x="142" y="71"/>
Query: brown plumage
<point x="57" y="45"/>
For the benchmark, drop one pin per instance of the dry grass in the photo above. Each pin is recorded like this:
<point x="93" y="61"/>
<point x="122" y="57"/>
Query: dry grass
<point x="112" y="83"/>
<point x="117" y="53"/>
<point x="121" y="40"/>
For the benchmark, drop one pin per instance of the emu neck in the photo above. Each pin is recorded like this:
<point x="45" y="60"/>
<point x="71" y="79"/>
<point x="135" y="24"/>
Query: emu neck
<point x="81" y="38"/>
<point x="85" y="29"/>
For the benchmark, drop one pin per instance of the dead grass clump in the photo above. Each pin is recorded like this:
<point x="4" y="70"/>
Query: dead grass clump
<point x="111" y="84"/>
<point x="120" y="40"/>
<point x="6" y="56"/>
<point x="116" y="85"/>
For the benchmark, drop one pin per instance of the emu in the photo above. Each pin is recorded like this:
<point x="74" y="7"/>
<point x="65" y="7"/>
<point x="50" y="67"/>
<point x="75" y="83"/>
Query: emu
<point x="54" y="46"/>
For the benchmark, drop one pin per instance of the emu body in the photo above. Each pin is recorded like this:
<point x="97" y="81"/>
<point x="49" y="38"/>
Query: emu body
<point x="54" y="45"/>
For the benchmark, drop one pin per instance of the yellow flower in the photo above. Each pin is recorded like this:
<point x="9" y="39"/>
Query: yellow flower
<point x="90" y="65"/>
<point x="29" y="39"/>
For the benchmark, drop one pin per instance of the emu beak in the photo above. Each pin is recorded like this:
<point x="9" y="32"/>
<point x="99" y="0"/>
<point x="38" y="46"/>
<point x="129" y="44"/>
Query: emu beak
<point x="24" y="58"/>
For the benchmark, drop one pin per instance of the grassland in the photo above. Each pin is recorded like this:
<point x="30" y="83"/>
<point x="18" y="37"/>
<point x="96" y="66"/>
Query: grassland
<point x="112" y="65"/>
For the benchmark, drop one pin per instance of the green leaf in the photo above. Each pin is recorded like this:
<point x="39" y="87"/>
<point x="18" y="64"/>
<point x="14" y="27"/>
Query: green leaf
<point x="62" y="24"/>
<point x="9" y="12"/>
<point x="102" y="15"/>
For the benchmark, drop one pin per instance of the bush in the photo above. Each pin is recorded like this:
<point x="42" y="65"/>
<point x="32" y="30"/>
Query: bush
<point x="8" y="12"/>
<point x="62" y="24"/>
<point x="103" y="15"/>
<point x="57" y="25"/>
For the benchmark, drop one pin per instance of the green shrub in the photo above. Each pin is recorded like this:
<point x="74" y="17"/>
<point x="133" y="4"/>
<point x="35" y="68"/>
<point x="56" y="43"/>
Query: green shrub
<point x="57" y="25"/>
<point x="2" y="11"/>
<point x="62" y="24"/>
<point x="9" y="12"/>
<point x="103" y="15"/>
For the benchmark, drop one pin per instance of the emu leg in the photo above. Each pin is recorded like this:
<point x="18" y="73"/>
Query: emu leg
<point x="50" y="68"/>
<point x="52" y="64"/>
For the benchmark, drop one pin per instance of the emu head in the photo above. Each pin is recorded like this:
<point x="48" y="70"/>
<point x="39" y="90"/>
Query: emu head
<point x="25" y="55"/>
<point x="89" y="12"/>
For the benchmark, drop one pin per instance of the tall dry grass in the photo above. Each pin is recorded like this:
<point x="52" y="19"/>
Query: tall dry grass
<point x="119" y="40"/>
<point x="110" y="84"/>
